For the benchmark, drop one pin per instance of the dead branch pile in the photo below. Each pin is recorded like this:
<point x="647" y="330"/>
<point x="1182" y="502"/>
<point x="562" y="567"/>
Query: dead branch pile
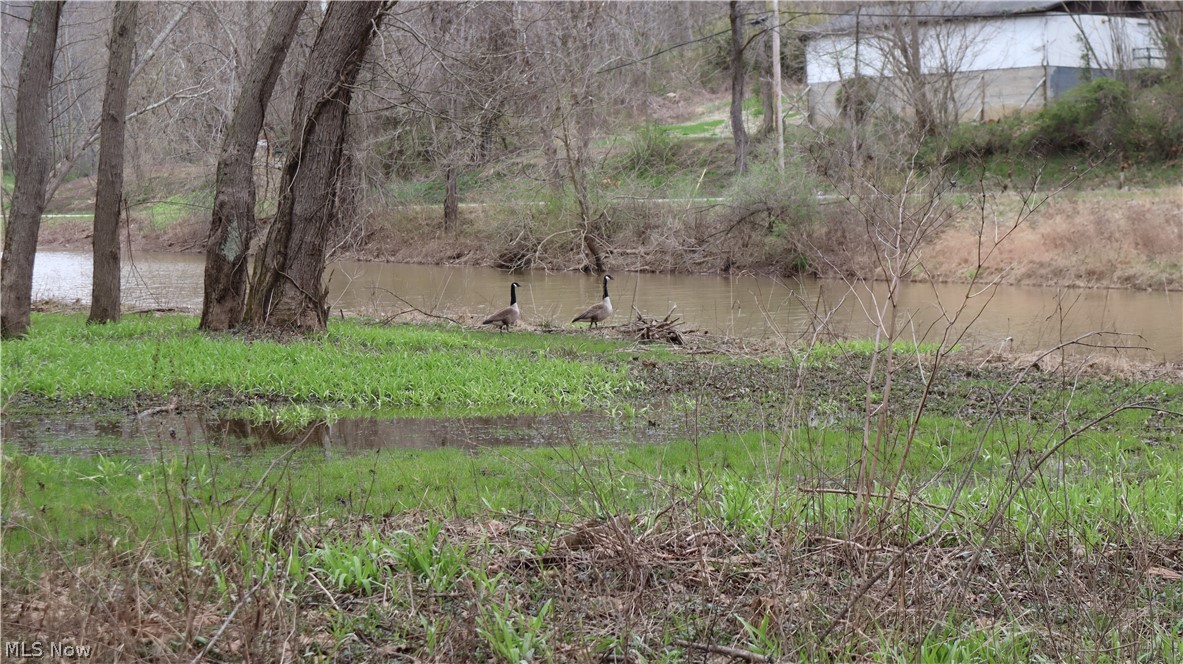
<point x="665" y="330"/>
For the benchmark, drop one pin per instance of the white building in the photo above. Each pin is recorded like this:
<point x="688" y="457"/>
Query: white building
<point x="978" y="60"/>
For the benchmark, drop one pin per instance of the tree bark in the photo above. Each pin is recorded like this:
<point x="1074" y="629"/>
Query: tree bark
<point x="232" y="226"/>
<point x="451" y="198"/>
<point x="925" y="117"/>
<point x="764" y="66"/>
<point x="737" y="90"/>
<point x="108" y="201"/>
<point x="31" y="170"/>
<point x="286" y="289"/>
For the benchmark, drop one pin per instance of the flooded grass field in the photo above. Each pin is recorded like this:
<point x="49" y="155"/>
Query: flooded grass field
<point x="445" y="493"/>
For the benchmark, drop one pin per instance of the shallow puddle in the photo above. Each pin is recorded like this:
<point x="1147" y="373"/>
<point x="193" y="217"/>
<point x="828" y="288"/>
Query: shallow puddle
<point x="87" y="435"/>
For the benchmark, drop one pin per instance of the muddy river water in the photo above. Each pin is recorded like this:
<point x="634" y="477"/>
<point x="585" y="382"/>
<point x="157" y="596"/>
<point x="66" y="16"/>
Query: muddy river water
<point x="1024" y="318"/>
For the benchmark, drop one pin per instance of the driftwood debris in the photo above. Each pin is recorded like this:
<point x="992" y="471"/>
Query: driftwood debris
<point x="172" y="406"/>
<point x="665" y="329"/>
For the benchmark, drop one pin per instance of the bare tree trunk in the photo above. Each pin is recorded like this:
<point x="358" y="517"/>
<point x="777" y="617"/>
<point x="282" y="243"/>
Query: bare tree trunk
<point x="233" y="224"/>
<point x="488" y="132"/>
<point x="554" y="170"/>
<point x="286" y="290"/>
<point x="764" y="66"/>
<point x="108" y="201"/>
<point x="32" y="170"/>
<point x="451" y="202"/>
<point x="926" y="122"/>
<point x="737" y="90"/>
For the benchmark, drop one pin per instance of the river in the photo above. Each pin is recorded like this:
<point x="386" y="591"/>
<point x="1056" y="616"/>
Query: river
<point x="1022" y="318"/>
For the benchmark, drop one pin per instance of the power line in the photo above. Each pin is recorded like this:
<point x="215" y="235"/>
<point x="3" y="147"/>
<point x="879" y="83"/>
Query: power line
<point x="762" y="17"/>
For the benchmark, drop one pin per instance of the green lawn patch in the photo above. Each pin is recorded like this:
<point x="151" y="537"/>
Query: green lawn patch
<point x="694" y="129"/>
<point x="351" y="365"/>
<point x="165" y="213"/>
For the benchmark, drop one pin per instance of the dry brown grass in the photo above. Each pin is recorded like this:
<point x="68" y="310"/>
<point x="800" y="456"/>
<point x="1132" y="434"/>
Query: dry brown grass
<point x="1085" y="240"/>
<point x="620" y="589"/>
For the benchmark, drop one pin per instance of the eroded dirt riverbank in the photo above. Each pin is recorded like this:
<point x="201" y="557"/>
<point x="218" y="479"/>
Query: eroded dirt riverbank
<point x="1090" y="239"/>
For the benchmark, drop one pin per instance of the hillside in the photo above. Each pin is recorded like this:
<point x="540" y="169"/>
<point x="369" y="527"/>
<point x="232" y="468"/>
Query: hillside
<point x="669" y="199"/>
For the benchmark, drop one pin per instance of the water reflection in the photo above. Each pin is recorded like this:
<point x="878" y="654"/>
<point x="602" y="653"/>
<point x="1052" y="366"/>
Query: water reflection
<point x="87" y="435"/>
<point x="1030" y="318"/>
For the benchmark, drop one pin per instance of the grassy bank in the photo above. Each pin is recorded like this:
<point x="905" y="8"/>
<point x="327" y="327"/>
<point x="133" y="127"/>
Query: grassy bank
<point x="1035" y="516"/>
<point x="146" y="360"/>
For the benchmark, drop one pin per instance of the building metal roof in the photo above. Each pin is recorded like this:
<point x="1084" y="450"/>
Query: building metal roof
<point x="869" y="16"/>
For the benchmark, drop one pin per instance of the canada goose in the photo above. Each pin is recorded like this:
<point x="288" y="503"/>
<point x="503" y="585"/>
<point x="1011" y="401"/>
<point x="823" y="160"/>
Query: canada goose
<point x="597" y="312"/>
<point x="509" y="315"/>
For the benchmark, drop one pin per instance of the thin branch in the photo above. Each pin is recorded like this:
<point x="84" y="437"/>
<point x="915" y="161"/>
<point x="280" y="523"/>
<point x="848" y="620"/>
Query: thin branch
<point x="160" y="37"/>
<point x="738" y="653"/>
<point x="413" y="307"/>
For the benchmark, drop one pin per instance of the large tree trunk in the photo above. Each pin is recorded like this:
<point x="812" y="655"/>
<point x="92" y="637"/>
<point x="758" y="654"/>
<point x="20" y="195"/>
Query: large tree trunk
<point x="286" y="290"/>
<point x="233" y="224"/>
<point x="737" y="84"/>
<point x="108" y="200"/>
<point x="32" y="170"/>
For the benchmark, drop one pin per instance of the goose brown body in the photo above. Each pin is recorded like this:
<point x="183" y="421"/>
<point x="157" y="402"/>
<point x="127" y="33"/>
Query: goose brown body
<point x="597" y="313"/>
<point x="508" y="316"/>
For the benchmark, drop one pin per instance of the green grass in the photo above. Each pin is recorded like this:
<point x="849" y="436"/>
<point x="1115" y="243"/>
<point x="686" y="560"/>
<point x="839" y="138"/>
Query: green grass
<point x="352" y="365"/>
<point x="165" y="213"/>
<point x="9" y="182"/>
<point x="230" y="515"/>
<point x="432" y="190"/>
<point x="1019" y="174"/>
<point x="695" y="128"/>
<point x="828" y="351"/>
<point x="754" y="105"/>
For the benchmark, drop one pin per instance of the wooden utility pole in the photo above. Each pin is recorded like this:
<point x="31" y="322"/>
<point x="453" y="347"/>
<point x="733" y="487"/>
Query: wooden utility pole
<point x="778" y="118"/>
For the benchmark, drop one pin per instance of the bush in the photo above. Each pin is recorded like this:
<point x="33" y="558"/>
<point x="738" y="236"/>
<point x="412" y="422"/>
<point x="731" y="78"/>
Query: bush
<point x="1098" y="117"/>
<point x="651" y="151"/>
<point x="973" y="141"/>
<point x="1091" y="117"/>
<point x="855" y="97"/>
<point x="788" y="199"/>
<point x="1157" y="127"/>
<point x="1106" y="115"/>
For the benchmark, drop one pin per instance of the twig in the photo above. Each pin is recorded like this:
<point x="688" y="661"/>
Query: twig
<point x="172" y="405"/>
<point x="226" y="623"/>
<point x="325" y="591"/>
<point x="848" y="492"/>
<point x="414" y="308"/>
<point x="738" y="653"/>
<point x="386" y="321"/>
